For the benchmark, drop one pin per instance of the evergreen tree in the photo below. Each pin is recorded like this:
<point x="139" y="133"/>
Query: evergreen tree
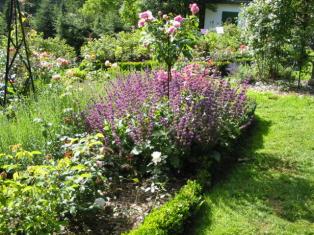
<point x="70" y="25"/>
<point x="103" y="15"/>
<point x="44" y="19"/>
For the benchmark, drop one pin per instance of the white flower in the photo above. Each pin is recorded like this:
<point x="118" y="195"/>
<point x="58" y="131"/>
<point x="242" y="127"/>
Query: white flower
<point x="56" y="77"/>
<point x="107" y="63"/>
<point x="156" y="157"/>
<point x="114" y="65"/>
<point x="100" y="202"/>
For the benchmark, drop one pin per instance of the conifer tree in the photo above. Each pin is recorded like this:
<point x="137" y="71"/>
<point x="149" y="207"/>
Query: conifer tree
<point x="44" y="20"/>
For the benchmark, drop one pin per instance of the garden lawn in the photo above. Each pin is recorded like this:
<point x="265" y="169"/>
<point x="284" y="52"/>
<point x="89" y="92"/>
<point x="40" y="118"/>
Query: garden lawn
<point x="271" y="189"/>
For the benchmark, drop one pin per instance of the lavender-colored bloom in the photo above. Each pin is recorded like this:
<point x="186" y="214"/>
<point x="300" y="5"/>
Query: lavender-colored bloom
<point x="202" y="109"/>
<point x="204" y="31"/>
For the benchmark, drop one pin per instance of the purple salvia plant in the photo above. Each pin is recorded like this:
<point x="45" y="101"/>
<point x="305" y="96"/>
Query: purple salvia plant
<point x="202" y="110"/>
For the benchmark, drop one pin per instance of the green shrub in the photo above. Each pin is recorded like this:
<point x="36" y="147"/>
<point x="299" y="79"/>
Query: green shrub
<point x="220" y="47"/>
<point x="39" y="198"/>
<point x="138" y="66"/>
<point x="2" y="24"/>
<point x="129" y="48"/>
<point x="123" y="47"/>
<point x="56" y="46"/>
<point x="244" y="73"/>
<point x="170" y="218"/>
<point x="47" y="56"/>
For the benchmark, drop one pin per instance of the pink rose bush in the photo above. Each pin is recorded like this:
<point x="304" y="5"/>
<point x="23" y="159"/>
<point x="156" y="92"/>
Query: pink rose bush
<point x="170" y="37"/>
<point x="46" y="65"/>
<point x="171" y="30"/>
<point x="176" y="24"/>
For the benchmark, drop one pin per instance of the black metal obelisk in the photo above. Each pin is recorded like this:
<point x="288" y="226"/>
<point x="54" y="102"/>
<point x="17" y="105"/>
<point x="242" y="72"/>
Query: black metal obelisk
<point x="16" y="45"/>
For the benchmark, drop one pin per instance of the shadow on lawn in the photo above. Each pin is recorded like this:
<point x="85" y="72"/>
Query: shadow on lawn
<point x="244" y="150"/>
<point x="270" y="186"/>
<point x="263" y="181"/>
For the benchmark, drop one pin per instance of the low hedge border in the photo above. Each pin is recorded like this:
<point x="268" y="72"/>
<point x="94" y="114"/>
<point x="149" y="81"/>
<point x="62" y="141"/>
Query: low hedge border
<point x="171" y="217"/>
<point x="149" y="64"/>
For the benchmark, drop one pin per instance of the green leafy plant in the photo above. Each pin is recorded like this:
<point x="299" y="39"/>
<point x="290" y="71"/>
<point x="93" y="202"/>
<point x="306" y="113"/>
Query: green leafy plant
<point x="123" y="47"/>
<point x="279" y="33"/>
<point x="228" y="46"/>
<point x="170" y="218"/>
<point x="53" y="190"/>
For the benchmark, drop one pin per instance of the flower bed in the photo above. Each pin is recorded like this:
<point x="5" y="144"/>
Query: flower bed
<point x="138" y="119"/>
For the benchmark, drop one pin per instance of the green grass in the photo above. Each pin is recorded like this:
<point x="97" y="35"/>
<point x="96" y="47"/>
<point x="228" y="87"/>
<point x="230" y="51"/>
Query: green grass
<point x="49" y="105"/>
<point x="271" y="191"/>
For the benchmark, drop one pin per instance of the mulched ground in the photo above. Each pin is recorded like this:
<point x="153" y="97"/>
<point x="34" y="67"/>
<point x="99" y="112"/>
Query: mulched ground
<point x="129" y="203"/>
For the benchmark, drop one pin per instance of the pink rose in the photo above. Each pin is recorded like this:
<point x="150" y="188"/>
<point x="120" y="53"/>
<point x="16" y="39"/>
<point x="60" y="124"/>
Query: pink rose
<point x="146" y="15"/>
<point x="179" y="18"/>
<point x="43" y="54"/>
<point x="194" y="8"/>
<point x="176" y="24"/>
<point x="62" y="62"/>
<point x="141" y="23"/>
<point x="171" y="30"/>
<point x="44" y="64"/>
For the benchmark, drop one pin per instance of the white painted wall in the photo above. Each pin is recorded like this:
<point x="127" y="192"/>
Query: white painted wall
<point x="214" y="18"/>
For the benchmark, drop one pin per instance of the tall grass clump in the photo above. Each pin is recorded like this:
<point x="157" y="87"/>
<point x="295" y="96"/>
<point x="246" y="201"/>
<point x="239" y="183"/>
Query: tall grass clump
<point x="36" y="123"/>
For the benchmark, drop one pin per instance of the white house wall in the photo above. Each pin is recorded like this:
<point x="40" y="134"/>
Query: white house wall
<point x="213" y="18"/>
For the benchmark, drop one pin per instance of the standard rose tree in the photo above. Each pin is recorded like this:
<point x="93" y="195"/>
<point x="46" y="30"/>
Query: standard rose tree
<point x="170" y="36"/>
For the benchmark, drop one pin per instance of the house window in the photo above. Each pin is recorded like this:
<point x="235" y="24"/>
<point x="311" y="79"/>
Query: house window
<point x="230" y="17"/>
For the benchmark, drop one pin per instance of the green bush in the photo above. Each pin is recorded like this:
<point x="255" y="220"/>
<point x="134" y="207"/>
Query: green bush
<point x="39" y="194"/>
<point x="129" y="48"/>
<point x="48" y="57"/>
<point x="138" y="66"/>
<point x="2" y="24"/>
<point x="122" y="47"/>
<point x="244" y="73"/>
<point x="170" y="218"/>
<point x="55" y="46"/>
<point x="220" y="47"/>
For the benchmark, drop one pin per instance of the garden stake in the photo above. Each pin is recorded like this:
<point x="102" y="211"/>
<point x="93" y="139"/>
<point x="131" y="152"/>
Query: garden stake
<point x="15" y="28"/>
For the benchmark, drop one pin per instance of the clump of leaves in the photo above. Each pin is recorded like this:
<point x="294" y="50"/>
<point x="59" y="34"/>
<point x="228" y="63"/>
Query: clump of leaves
<point x="53" y="190"/>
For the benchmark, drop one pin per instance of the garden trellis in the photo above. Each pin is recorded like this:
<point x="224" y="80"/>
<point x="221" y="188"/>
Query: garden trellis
<point x="16" y="45"/>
